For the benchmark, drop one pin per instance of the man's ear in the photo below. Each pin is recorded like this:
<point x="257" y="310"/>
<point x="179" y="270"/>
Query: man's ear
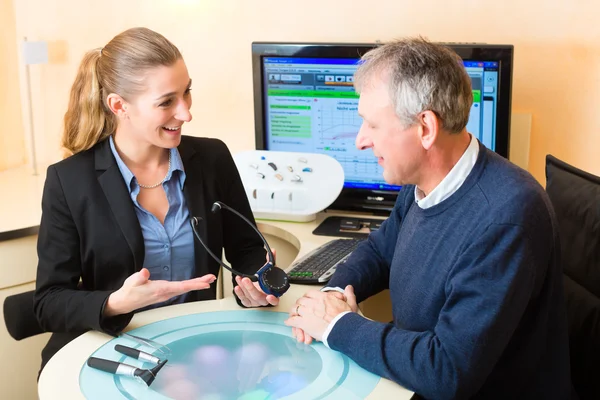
<point x="117" y="105"/>
<point x="429" y="128"/>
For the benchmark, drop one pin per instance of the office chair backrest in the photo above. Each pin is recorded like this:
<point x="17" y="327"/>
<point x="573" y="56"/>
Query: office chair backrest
<point x="19" y="317"/>
<point x="575" y="196"/>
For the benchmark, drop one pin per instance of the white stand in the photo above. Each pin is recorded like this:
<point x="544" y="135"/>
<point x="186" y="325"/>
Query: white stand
<point x="289" y="186"/>
<point x="33" y="53"/>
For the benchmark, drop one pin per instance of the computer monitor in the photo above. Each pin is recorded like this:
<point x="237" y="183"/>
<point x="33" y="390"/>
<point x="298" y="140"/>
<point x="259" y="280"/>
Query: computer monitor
<point x="304" y="101"/>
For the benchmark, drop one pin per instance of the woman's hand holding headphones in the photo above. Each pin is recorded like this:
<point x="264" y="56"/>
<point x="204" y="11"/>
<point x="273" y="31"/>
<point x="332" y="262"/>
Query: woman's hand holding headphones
<point x="250" y="293"/>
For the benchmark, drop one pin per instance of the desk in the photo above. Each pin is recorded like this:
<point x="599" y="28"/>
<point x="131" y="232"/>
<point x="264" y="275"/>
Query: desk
<point x="60" y="377"/>
<point x="21" y="207"/>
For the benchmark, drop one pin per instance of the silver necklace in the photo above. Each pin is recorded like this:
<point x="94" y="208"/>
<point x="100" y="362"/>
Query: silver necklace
<point x="161" y="182"/>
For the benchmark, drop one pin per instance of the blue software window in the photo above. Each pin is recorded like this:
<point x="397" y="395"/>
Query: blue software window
<point x="482" y="119"/>
<point x="312" y="107"/>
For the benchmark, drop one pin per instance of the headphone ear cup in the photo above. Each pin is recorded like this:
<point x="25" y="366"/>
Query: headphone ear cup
<point x="274" y="281"/>
<point x="263" y="286"/>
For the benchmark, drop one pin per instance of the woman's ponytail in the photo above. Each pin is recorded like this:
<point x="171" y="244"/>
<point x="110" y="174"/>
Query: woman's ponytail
<point x="87" y="121"/>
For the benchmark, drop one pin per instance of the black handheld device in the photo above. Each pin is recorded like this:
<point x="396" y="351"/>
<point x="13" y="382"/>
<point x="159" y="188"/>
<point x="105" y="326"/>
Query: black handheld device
<point x="117" y="368"/>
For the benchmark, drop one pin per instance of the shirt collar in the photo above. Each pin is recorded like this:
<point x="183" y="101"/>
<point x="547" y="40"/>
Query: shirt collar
<point x="453" y="181"/>
<point x="128" y="177"/>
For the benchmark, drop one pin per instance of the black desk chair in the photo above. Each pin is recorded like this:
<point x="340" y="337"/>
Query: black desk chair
<point x="575" y="196"/>
<point x="19" y="317"/>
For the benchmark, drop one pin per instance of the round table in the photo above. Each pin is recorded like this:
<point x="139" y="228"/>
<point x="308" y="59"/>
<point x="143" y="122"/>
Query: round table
<point x="61" y="376"/>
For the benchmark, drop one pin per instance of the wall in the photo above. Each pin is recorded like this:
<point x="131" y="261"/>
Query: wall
<point x="12" y="142"/>
<point x="556" y="75"/>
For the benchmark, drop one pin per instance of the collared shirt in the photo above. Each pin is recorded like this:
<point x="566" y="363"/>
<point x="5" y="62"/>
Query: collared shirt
<point x="169" y="247"/>
<point x="450" y="184"/>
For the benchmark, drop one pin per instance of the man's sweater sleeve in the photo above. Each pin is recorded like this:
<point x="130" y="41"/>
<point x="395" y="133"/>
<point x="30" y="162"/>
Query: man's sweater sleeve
<point x="367" y="269"/>
<point x="487" y="291"/>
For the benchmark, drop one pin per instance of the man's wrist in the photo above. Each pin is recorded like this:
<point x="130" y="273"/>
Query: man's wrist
<point x="331" y="325"/>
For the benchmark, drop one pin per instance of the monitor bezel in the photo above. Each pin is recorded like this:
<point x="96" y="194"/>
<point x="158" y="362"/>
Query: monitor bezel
<point x="372" y="200"/>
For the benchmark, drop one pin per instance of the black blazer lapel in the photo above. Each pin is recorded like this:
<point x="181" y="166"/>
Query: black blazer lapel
<point x="117" y="194"/>
<point x="193" y="191"/>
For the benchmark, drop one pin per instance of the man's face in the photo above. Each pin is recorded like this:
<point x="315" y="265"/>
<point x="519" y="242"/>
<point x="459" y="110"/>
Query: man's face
<point x="398" y="149"/>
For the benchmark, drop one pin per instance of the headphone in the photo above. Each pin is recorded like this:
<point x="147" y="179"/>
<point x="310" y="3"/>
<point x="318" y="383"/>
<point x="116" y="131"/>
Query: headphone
<point x="272" y="279"/>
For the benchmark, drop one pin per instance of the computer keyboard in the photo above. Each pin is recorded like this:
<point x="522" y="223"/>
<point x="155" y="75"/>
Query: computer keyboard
<point x="320" y="264"/>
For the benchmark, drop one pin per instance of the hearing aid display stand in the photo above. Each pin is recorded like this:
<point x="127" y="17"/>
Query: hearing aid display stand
<point x="289" y="186"/>
<point x="246" y="354"/>
<point x="62" y="378"/>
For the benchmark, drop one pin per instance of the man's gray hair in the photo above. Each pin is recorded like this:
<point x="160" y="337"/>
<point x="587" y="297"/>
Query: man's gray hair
<point x="422" y="76"/>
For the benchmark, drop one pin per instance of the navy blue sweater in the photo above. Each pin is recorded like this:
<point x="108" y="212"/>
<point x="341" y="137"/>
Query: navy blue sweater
<point x="476" y="289"/>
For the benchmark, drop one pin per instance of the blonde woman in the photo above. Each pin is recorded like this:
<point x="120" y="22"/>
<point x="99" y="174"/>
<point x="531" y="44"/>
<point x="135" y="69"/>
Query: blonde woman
<point x="115" y="236"/>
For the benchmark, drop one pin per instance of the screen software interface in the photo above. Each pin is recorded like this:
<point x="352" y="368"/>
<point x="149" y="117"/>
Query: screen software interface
<point x="311" y="107"/>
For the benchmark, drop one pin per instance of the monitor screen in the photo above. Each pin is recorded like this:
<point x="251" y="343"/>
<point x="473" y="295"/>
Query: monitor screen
<point x="305" y="102"/>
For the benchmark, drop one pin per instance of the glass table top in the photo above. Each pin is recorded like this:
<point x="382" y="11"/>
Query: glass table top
<point x="246" y="355"/>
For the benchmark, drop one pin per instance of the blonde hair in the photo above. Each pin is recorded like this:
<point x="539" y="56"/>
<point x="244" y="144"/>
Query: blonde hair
<point x="116" y="68"/>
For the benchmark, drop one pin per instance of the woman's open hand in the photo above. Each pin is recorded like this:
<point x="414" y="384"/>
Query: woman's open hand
<point x="139" y="291"/>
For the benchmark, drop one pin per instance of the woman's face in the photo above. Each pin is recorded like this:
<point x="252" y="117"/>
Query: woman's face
<point x="156" y="115"/>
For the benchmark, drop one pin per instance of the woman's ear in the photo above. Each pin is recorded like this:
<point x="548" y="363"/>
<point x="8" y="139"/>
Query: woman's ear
<point x="117" y="105"/>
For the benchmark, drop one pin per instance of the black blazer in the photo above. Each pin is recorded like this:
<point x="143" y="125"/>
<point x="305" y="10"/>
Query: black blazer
<point x="90" y="239"/>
